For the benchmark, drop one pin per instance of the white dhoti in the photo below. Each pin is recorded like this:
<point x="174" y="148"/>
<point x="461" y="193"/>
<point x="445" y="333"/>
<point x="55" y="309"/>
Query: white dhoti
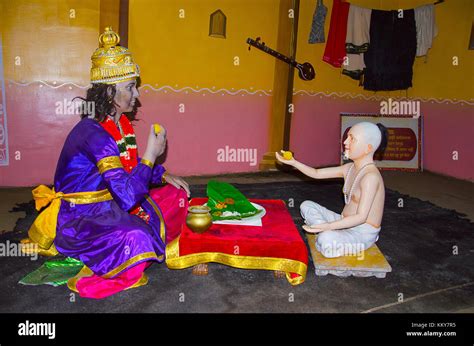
<point x="336" y="243"/>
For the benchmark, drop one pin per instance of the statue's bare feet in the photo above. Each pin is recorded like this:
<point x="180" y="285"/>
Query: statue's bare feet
<point x="279" y="274"/>
<point x="201" y="269"/>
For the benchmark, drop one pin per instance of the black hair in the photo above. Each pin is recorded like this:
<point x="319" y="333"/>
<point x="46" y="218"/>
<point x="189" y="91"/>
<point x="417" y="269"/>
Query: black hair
<point x="102" y="96"/>
<point x="384" y="137"/>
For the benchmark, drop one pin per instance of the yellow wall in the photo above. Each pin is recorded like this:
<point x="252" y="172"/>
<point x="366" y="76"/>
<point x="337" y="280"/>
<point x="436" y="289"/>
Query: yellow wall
<point x="437" y="78"/>
<point x="1" y="17"/>
<point x="172" y="50"/>
<point x="51" y="45"/>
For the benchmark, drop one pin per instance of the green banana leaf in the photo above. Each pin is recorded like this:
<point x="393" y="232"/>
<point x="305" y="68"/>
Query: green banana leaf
<point x="223" y="197"/>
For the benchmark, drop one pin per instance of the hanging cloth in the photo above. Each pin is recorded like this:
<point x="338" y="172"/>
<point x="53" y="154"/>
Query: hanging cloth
<point x="357" y="41"/>
<point x="391" y="54"/>
<point x="317" y="28"/>
<point x="335" y="50"/>
<point x="426" y="29"/>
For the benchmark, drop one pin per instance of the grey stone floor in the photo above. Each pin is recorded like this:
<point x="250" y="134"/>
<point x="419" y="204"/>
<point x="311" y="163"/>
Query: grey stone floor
<point x="359" y="293"/>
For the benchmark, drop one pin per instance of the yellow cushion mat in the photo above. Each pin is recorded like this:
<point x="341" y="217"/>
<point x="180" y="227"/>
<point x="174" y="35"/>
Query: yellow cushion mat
<point x="369" y="263"/>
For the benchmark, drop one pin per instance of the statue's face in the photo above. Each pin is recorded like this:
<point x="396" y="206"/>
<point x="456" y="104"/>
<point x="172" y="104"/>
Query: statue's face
<point x="355" y="145"/>
<point x="126" y="95"/>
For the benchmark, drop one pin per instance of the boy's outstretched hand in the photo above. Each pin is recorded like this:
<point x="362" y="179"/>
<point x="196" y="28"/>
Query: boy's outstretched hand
<point x="280" y="158"/>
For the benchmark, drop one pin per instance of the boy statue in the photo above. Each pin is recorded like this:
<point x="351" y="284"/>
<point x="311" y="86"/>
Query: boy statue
<point x="357" y="227"/>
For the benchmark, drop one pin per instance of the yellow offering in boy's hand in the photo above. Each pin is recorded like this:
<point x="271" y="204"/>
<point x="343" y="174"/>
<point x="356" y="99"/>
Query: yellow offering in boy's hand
<point x="157" y="128"/>
<point x="287" y="155"/>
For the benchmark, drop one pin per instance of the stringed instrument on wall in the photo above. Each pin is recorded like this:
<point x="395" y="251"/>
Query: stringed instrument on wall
<point x="305" y="71"/>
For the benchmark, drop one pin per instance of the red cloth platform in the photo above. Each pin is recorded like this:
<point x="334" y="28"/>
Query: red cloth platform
<point x="277" y="245"/>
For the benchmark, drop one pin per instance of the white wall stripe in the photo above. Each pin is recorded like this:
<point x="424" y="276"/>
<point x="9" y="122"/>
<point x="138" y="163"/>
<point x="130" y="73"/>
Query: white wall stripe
<point x="186" y="90"/>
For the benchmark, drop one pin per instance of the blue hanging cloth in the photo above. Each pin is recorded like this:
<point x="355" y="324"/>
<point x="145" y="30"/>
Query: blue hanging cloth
<point x="317" y="28"/>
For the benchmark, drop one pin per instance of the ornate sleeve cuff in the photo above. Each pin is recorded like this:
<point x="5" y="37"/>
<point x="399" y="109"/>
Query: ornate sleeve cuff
<point x="146" y="162"/>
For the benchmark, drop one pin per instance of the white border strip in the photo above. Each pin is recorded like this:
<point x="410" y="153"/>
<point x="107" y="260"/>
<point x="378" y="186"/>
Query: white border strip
<point x="233" y="92"/>
<point x="212" y="91"/>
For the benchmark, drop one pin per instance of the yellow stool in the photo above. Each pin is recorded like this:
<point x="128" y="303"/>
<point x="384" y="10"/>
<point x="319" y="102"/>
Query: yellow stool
<point x="369" y="263"/>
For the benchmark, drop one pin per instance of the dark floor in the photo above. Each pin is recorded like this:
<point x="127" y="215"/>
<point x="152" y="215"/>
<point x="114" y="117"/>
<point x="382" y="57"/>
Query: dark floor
<point x="417" y="240"/>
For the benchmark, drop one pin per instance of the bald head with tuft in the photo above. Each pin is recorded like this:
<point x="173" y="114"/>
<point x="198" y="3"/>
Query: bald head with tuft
<point x="371" y="133"/>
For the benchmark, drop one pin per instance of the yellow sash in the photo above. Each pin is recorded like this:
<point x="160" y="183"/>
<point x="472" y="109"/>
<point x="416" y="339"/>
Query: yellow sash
<point x="43" y="230"/>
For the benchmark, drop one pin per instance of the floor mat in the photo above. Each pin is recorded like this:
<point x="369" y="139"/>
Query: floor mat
<point x="429" y="248"/>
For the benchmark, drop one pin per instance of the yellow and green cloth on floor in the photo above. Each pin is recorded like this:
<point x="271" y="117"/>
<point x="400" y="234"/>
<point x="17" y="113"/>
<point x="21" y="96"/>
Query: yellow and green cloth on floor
<point x="54" y="272"/>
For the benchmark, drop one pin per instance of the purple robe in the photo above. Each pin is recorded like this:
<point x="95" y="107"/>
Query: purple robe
<point x="103" y="235"/>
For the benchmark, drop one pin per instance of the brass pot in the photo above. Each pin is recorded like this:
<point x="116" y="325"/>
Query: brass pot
<point x="199" y="218"/>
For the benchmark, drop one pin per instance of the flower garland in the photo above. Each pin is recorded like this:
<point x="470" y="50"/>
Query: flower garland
<point x="124" y="136"/>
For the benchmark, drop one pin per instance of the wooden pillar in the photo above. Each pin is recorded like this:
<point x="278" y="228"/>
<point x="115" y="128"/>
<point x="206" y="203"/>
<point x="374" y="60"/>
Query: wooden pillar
<point x="114" y="13"/>
<point x="280" y="120"/>
<point x="123" y="23"/>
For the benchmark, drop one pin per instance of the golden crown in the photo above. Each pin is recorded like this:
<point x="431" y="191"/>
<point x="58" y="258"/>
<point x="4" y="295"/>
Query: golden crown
<point x="111" y="63"/>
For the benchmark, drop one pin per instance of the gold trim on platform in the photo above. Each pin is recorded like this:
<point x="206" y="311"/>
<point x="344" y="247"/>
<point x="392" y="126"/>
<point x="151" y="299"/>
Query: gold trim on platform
<point x="109" y="162"/>
<point x="175" y="261"/>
